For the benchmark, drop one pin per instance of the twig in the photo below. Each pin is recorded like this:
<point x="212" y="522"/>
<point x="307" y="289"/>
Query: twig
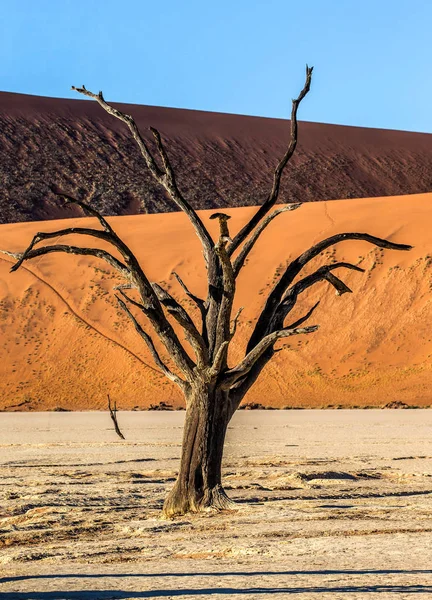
<point x="113" y="415"/>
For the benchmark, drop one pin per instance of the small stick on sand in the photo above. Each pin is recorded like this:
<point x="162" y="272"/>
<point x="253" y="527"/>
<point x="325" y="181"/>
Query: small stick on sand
<point x="113" y="414"/>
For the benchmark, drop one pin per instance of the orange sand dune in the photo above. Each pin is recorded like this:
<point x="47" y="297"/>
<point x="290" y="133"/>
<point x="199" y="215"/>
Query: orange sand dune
<point x="65" y="344"/>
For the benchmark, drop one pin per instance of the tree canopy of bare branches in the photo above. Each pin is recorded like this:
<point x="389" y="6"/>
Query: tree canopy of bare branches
<point x="213" y="388"/>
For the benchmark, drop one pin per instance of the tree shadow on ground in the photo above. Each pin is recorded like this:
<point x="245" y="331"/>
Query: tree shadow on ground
<point x="254" y="591"/>
<point x="221" y="574"/>
<point x="115" y="594"/>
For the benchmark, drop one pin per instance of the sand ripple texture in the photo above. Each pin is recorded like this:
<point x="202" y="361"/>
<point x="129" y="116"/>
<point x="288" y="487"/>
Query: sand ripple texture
<point x="331" y="504"/>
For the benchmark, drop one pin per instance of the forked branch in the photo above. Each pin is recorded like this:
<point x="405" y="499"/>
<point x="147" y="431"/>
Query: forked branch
<point x="131" y="270"/>
<point x="243" y="368"/>
<point x="274" y="193"/>
<point x="275" y="298"/>
<point x="324" y="272"/>
<point x="147" y="339"/>
<point x="299" y="263"/>
<point x="181" y="316"/>
<point x="43" y="237"/>
<point x="106" y="256"/>
<point x="129" y="299"/>
<point x="247" y="247"/>
<point x="135" y="273"/>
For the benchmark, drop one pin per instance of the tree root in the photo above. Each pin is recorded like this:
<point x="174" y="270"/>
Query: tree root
<point x="214" y="500"/>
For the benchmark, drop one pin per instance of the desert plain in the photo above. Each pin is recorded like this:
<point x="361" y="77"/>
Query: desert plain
<point x="331" y="504"/>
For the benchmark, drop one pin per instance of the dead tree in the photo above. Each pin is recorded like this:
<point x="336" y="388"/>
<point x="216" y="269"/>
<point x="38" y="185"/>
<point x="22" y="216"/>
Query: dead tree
<point x="213" y="389"/>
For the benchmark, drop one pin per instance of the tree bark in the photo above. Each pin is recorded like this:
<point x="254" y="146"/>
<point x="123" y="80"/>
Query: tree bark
<point x="199" y="483"/>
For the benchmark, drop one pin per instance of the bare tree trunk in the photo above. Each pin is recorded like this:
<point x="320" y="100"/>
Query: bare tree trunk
<point x="198" y="485"/>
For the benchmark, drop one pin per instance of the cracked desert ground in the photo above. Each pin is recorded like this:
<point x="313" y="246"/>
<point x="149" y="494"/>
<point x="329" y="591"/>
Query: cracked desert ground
<point x="331" y="504"/>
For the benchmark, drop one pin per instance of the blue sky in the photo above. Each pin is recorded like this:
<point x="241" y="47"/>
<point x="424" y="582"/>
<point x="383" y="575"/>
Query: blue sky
<point x="372" y="59"/>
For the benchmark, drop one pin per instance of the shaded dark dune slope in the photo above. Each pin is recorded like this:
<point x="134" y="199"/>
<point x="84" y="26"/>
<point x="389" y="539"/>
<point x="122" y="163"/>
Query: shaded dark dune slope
<point x="221" y="160"/>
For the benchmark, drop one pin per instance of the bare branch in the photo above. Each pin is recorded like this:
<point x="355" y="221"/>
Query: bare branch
<point x="338" y="284"/>
<point x="274" y="193"/>
<point x="165" y="370"/>
<point x="172" y="306"/>
<point x="181" y="316"/>
<point x="253" y="356"/>
<point x="83" y="205"/>
<point x="235" y="321"/>
<point x="304" y="318"/>
<point x="198" y="301"/>
<point x="156" y="172"/>
<point x="129" y="299"/>
<point x="243" y="384"/>
<point x="225" y="306"/>
<point x="163" y="154"/>
<point x="273" y="301"/>
<point x="16" y="255"/>
<point x="106" y="256"/>
<point x="43" y="236"/>
<point x="299" y="263"/>
<point x="132" y="271"/>
<point x="110" y="236"/>
<point x="270" y="319"/>
<point x="113" y="415"/>
<point x="165" y="178"/>
<point x="220" y="359"/>
<point x="240" y="388"/>
<point x="323" y="273"/>
<point x="125" y="286"/>
<point x="239" y="261"/>
<point x="167" y="335"/>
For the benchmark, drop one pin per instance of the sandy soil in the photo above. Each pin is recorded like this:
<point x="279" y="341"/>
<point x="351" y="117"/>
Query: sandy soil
<point x="332" y="504"/>
<point x="65" y="344"/>
<point x="221" y="160"/>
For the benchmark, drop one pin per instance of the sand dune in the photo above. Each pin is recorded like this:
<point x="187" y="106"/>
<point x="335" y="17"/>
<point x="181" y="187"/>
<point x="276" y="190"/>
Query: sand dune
<point x="64" y="343"/>
<point x="221" y="160"/>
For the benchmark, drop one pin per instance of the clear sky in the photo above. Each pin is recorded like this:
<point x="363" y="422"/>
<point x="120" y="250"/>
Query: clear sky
<point x="372" y="58"/>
